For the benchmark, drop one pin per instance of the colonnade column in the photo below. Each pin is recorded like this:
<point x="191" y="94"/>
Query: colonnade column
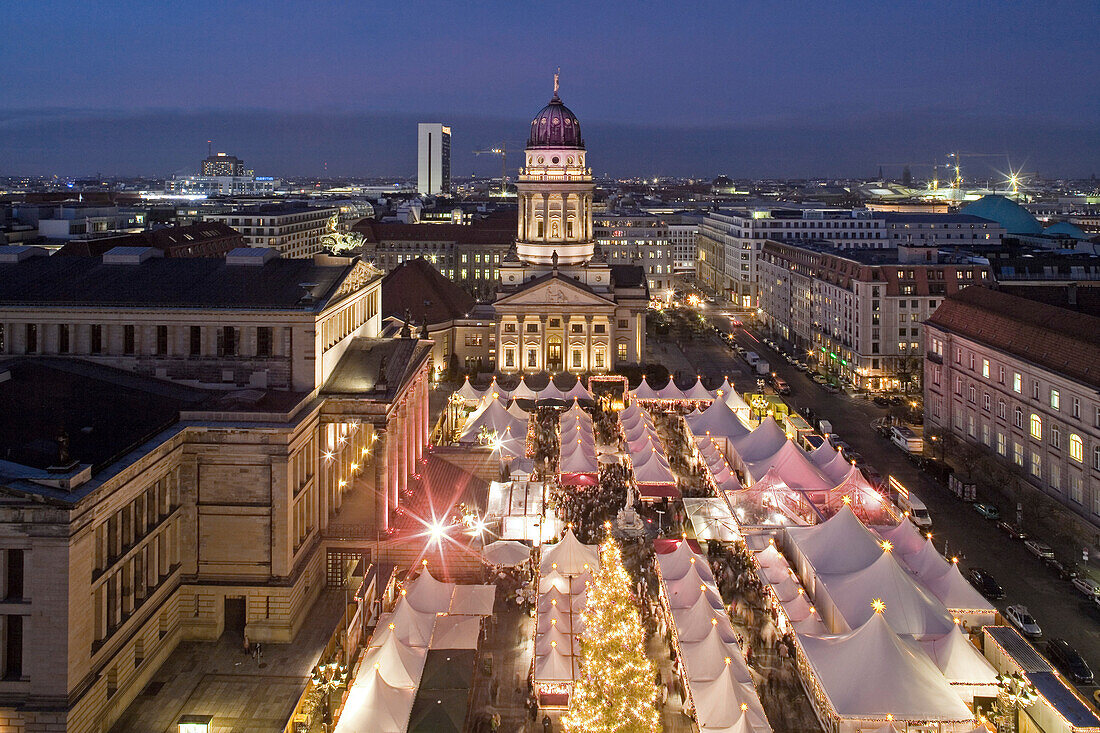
<point x="380" y="452"/>
<point x="545" y="217"/>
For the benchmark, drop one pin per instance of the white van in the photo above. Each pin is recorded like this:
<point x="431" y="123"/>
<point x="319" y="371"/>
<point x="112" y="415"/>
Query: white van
<point x="911" y="504"/>
<point x="752" y="357"/>
<point x="906" y="439"/>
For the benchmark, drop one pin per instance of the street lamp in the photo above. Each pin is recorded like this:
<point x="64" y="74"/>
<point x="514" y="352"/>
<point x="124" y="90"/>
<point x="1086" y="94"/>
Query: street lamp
<point x="1014" y="694"/>
<point x="326" y="678"/>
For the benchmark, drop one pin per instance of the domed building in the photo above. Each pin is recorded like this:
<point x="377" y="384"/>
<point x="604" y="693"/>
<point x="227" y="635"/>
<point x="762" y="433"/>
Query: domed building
<point x="1014" y="218"/>
<point x="559" y="307"/>
<point x="1066" y="230"/>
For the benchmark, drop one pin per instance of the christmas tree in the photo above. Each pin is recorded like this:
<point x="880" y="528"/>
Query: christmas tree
<point x="615" y="690"/>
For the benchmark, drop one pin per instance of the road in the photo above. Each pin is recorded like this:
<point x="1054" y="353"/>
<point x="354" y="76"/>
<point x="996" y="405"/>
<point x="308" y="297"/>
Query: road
<point x="1060" y="610"/>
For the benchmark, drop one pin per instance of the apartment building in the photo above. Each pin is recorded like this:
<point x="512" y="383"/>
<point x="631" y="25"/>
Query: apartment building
<point x="730" y="241"/>
<point x="683" y="232"/>
<point x="179" y="435"/>
<point x="293" y="230"/>
<point x="942" y="230"/>
<point x="857" y="314"/>
<point x="637" y="239"/>
<point x="1018" y="378"/>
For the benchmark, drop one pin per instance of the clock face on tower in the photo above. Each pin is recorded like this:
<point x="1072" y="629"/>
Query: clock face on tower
<point x="555" y="190"/>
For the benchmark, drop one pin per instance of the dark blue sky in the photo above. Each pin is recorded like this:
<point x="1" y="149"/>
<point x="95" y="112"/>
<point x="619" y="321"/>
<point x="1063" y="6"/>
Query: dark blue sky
<point x="742" y="88"/>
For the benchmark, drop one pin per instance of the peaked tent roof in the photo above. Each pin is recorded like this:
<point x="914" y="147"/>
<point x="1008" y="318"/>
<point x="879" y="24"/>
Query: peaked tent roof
<point x="397" y="664"/>
<point x="676" y="564"/>
<point x="695" y="622"/>
<point x="374" y="705"/>
<point x="523" y="391"/>
<point x="644" y="391"/>
<point x="792" y="465"/>
<point x="698" y="392"/>
<point x="893" y="677"/>
<point x="841" y="544"/>
<point x="706" y="659"/>
<point x="578" y="392"/>
<point x="909" y="608"/>
<point x="570" y="555"/>
<point x="670" y="391"/>
<point x="718" y="419"/>
<point x="493" y="416"/>
<point x="428" y="595"/>
<point x="836" y="470"/>
<point x="905" y="537"/>
<point x="927" y="563"/>
<point x="718" y="701"/>
<point x="764" y="441"/>
<point x="956" y="593"/>
<point x="823" y="453"/>
<point x="959" y="660"/>
<point x="468" y="392"/>
<point x="735" y="402"/>
<point x="412" y="628"/>
<point x="456" y="632"/>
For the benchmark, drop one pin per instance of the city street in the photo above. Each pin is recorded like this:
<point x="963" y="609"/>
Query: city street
<point x="1060" y="610"/>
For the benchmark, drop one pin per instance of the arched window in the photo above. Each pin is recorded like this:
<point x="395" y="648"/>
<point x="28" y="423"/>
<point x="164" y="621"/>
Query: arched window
<point x="1076" y="448"/>
<point x="1036" y="427"/>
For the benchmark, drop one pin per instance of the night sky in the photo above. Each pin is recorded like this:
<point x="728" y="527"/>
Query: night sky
<point x="754" y="89"/>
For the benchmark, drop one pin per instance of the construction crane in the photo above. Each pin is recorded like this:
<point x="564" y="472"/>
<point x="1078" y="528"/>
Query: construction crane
<point x="956" y="164"/>
<point x="502" y="151"/>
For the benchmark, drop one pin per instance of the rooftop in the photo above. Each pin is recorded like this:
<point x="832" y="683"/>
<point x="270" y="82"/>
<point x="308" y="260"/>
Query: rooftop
<point x="173" y="241"/>
<point x="1063" y="341"/>
<point x="416" y="287"/>
<point x="376" y="368"/>
<point x="494" y="230"/>
<point x="200" y="282"/>
<point x="902" y="218"/>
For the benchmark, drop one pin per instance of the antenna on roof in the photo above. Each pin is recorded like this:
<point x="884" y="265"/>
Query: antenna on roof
<point x="557" y="73"/>
<point x="209" y="148"/>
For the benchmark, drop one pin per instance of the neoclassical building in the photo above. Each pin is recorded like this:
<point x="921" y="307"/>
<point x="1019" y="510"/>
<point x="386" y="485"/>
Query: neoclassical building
<point x="560" y="305"/>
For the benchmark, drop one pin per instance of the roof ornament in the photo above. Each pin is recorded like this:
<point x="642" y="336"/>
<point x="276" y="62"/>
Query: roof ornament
<point x="557" y="73"/>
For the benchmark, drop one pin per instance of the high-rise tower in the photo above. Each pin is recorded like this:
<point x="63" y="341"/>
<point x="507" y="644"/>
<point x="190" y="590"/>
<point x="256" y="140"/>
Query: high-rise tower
<point x="555" y="190"/>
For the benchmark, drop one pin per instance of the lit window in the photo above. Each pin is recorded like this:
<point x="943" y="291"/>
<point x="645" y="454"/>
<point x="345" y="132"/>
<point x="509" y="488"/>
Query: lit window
<point x="1036" y="427"/>
<point x="1076" y="448"/>
<point x="1018" y="454"/>
<point x="1017" y="382"/>
<point x="1055" y="400"/>
<point x="985" y="368"/>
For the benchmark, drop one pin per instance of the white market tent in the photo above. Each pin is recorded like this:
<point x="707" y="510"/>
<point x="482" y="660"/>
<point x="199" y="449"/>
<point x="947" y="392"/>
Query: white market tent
<point x="717" y="703"/>
<point x="523" y="391"/>
<point x="837" y="469"/>
<point x="764" y="441"/>
<point x="905" y="537"/>
<point x="960" y="662"/>
<point x="373" y="706"/>
<point x="842" y="544"/>
<point x="737" y="404"/>
<point x="569" y="556"/>
<point x="910" y="610"/>
<point x="791" y="464"/>
<point x="428" y="595"/>
<point x="719" y="420"/>
<point x="410" y="627"/>
<point x="551" y="392"/>
<point x="693" y="624"/>
<point x="555" y="666"/>
<point x="961" y="598"/>
<point x="497" y="390"/>
<point x="644" y="391"/>
<point x="494" y="417"/>
<point x="927" y="562"/>
<point x="456" y="632"/>
<point x="676" y="564"/>
<point x="397" y="664"/>
<point x="684" y="592"/>
<point x="870" y="672"/>
<point x="698" y="391"/>
<point x="706" y="659"/>
<point x="473" y="600"/>
<point x="578" y="392"/>
<point x="670" y="391"/>
<point x="506" y="553"/>
<point x="579" y="461"/>
<point x="823" y="453"/>
<point x="712" y="519"/>
<point x="518" y="412"/>
<point x="654" y="471"/>
<point x="468" y="392"/>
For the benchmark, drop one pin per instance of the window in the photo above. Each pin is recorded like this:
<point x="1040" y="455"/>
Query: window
<point x="13" y="590"/>
<point x="264" y="340"/>
<point x="972" y="394"/>
<point x="1076" y="447"/>
<point x="1075" y="488"/>
<point x="576" y="328"/>
<point x="509" y="328"/>
<point x="1017" y="382"/>
<point x="1056" y="477"/>
<point x="971" y="361"/>
<point x="532" y="327"/>
<point x="509" y="358"/>
<point x="1077" y="407"/>
<point x="1096" y="458"/>
<point x="1018" y="417"/>
<point x="985" y="368"/>
<point x="1001" y="444"/>
<point x="1001" y="374"/>
<point x="13" y="647"/>
<point x="1036" y="465"/>
<point x="555" y="323"/>
<point x="986" y="401"/>
<point x="532" y="358"/>
<point x="1017" y="453"/>
<point x="128" y="339"/>
<point x="97" y="339"/>
<point x="1036" y="427"/>
<point x="1001" y="409"/>
<point x="229" y="341"/>
<point x="985" y="434"/>
<point x="599" y="328"/>
<point x="1055" y="400"/>
<point x="598" y="357"/>
<point x="621" y="352"/>
<point x="32" y="339"/>
<point x="1035" y="390"/>
<point x="1055" y="436"/>
<point x="162" y="340"/>
<point x="196" y="341"/>
<point x="576" y="358"/>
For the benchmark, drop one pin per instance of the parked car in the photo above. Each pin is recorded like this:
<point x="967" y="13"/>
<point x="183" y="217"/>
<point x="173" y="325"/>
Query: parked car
<point x="801" y="366"/>
<point x="1087" y="587"/>
<point x="896" y="399"/>
<point x="1022" y="619"/>
<point x="985" y="584"/>
<point x="820" y="379"/>
<point x="1069" y="661"/>
<point x="881" y="400"/>
<point x="1064" y="570"/>
<point x="1011" y="530"/>
<point x="831" y="388"/>
<point x="987" y="510"/>
<point x="1039" y="549"/>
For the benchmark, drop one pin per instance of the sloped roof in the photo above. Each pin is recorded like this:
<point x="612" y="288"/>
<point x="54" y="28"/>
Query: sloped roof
<point x="870" y="672"/>
<point x="841" y="544"/>
<point x="959" y="660"/>
<point x="762" y="442"/>
<point x="416" y="287"/>
<point x="1063" y="341"/>
<point x="717" y="419"/>
<point x="570" y="555"/>
<point x="793" y="466"/>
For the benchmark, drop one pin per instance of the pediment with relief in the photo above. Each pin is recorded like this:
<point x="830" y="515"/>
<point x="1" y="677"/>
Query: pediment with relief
<point x="553" y="292"/>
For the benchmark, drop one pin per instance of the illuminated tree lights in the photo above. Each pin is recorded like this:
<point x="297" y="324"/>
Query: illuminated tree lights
<point x="614" y="692"/>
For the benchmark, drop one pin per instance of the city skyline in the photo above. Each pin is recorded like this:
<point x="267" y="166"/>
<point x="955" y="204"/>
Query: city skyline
<point x="756" y="96"/>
